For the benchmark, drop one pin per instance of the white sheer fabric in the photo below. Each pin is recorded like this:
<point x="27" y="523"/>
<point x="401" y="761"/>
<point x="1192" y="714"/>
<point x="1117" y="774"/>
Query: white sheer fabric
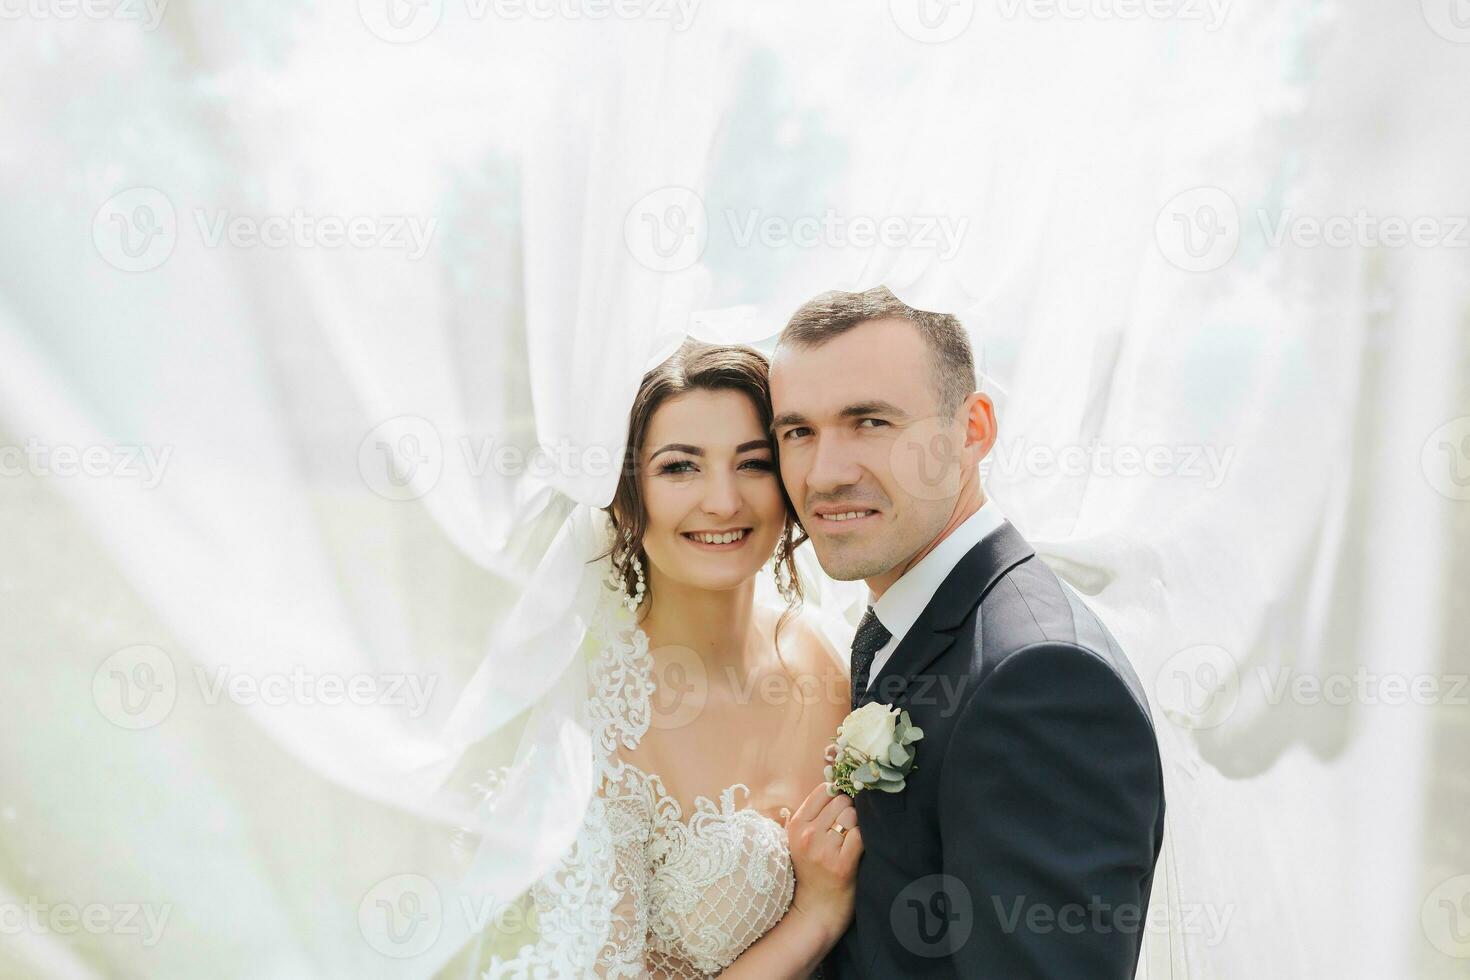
<point x="1304" y="839"/>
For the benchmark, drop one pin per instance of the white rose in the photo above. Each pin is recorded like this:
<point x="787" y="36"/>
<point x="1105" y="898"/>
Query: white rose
<point x="870" y="728"/>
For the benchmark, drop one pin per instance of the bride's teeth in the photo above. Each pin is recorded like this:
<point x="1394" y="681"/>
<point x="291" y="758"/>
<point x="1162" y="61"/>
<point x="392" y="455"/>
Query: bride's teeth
<point x="726" y="538"/>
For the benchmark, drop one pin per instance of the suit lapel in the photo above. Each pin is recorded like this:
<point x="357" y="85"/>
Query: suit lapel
<point x="962" y="589"/>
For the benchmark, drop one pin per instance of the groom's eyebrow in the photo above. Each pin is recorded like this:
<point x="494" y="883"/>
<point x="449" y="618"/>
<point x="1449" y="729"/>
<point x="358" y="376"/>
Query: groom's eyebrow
<point x="787" y="418"/>
<point x="860" y="410"/>
<point x="878" y="407"/>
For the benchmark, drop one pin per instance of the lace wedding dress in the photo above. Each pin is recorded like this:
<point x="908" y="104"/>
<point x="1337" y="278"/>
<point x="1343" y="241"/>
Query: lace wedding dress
<point x="649" y="891"/>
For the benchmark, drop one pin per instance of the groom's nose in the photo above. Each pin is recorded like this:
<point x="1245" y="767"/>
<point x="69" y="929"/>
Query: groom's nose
<point x="834" y="465"/>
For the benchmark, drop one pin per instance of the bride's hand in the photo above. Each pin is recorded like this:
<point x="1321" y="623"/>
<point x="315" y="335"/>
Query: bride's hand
<point x="825" y="861"/>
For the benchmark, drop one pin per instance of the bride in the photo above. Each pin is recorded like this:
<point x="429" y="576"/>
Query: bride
<point x="712" y="846"/>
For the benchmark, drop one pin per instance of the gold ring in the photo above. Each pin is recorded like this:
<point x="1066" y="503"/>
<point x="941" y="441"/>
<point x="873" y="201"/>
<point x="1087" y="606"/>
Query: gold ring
<point x="837" y="826"/>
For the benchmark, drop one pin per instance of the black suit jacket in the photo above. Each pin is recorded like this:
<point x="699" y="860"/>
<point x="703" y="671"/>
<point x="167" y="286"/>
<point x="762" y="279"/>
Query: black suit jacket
<point x="1025" y="840"/>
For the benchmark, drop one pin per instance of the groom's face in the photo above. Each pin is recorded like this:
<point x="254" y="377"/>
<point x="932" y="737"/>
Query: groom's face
<point x="868" y="461"/>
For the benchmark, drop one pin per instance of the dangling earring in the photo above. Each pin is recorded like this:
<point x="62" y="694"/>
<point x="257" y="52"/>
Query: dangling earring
<point x="641" y="585"/>
<point x="636" y="599"/>
<point x="617" y="578"/>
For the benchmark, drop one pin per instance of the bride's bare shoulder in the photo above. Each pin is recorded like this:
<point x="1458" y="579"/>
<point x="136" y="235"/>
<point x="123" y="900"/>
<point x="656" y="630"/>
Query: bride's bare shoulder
<point x="805" y="647"/>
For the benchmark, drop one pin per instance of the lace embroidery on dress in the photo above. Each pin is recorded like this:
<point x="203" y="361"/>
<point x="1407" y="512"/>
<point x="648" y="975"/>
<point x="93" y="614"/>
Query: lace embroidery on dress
<point x="717" y="882"/>
<point x="644" y="893"/>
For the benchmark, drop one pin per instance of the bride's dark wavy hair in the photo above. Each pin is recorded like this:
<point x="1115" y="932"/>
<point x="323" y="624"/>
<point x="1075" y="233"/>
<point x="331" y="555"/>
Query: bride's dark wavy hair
<point x="695" y="366"/>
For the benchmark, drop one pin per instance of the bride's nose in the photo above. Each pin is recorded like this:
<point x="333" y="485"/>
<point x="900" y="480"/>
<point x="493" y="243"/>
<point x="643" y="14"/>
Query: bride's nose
<point x="721" y="496"/>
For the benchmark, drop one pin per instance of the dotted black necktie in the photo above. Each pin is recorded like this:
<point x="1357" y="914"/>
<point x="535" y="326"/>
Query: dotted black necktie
<point x="871" y="637"/>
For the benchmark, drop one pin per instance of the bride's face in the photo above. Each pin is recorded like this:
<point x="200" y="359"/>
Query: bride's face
<point x="708" y="469"/>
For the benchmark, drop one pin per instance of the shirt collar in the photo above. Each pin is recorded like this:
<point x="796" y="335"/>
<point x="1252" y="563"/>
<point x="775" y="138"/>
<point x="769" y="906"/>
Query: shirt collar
<point x="900" y="607"/>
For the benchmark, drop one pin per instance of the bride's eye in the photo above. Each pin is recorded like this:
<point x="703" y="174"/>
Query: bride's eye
<point x="759" y="465"/>
<point x="677" y="466"/>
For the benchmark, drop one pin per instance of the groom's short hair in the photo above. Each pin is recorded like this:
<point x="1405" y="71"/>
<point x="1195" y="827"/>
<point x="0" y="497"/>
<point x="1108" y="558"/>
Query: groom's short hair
<point x="832" y="314"/>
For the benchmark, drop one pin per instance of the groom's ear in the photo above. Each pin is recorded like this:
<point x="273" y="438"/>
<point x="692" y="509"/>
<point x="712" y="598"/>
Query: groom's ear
<point x="980" y="428"/>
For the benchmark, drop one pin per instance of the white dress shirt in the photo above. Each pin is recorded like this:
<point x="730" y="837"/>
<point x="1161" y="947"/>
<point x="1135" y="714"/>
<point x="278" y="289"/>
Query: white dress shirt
<point x="899" y="607"/>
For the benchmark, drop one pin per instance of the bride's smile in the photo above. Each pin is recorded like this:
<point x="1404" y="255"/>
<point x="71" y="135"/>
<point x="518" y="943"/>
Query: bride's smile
<point x="719" y="540"/>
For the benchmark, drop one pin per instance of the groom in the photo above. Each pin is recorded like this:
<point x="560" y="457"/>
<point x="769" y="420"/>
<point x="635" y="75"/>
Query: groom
<point x="1025" y="840"/>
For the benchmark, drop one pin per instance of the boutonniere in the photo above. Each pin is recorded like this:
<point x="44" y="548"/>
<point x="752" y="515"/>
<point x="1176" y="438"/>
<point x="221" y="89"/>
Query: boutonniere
<point x="874" y="749"/>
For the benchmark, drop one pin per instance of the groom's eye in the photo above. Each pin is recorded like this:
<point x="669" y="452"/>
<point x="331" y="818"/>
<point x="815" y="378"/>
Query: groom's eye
<point x="796" y="431"/>
<point x="876" y="422"/>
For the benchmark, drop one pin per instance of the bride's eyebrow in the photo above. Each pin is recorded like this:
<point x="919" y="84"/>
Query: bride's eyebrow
<point x="676" y="447"/>
<point x="684" y="447"/>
